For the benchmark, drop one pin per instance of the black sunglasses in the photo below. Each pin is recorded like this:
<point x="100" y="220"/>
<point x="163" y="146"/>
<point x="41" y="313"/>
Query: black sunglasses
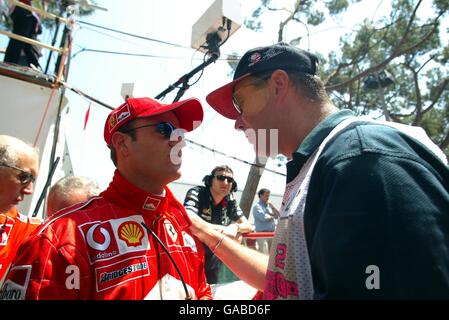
<point x="258" y="79"/>
<point x="24" y="177"/>
<point x="223" y="178"/>
<point x="164" y="128"/>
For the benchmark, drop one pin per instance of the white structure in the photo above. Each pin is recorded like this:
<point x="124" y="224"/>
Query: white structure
<point x="215" y="20"/>
<point x="29" y="109"/>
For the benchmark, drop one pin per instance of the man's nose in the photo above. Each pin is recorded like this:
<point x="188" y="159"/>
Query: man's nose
<point x="28" y="189"/>
<point x="239" y="124"/>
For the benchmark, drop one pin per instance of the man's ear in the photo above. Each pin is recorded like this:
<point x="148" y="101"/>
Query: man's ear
<point x="280" y="81"/>
<point x="119" y="143"/>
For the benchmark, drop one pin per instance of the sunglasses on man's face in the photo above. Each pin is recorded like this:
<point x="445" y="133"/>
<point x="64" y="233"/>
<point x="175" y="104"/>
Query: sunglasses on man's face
<point x="258" y="79"/>
<point x="223" y="178"/>
<point x="164" y="128"/>
<point x="24" y="177"/>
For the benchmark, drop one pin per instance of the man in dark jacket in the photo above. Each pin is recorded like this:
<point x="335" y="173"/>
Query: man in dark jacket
<point x="365" y="213"/>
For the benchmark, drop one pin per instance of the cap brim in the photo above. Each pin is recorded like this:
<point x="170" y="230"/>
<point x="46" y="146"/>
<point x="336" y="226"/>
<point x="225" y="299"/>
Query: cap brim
<point x="221" y="99"/>
<point x="189" y="113"/>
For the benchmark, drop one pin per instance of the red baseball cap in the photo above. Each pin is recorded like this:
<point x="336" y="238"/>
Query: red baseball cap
<point x="187" y="111"/>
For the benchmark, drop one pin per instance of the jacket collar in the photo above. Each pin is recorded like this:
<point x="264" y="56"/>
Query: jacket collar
<point x="125" y="194"/>
<point x="313" y="141"/>
<point x="223" y="201"/>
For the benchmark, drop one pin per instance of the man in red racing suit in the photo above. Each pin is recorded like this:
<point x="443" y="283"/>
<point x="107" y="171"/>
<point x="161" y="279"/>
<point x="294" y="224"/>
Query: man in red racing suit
<point x="14" y="229"/>
<point x="100" y="249"/>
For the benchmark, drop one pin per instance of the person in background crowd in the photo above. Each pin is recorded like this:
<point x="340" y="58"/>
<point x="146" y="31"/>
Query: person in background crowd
<point x="19" y="164"/>
<point x="265" y="215"/>
<point x="68" y="191"/>
<point x="27" y="24"/>
<point x="214" y="202"/>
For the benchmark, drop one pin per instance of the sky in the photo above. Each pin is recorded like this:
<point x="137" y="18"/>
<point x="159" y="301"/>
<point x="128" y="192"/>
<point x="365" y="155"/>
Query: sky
<point x="102" y="76"/>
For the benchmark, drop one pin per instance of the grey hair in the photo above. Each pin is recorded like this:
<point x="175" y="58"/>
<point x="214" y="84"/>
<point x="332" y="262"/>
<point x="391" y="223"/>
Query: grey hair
<point x="7" y="155"/>
<point x="310" y="85"/>
<point x="10" y="148"/>
<point x="69" y="184"/>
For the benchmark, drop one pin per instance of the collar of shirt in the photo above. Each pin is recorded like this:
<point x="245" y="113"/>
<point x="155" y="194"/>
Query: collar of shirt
<point x="125" y="194"/>
<point x="223" y="203"/>
<point x="12" y="215"/>
<point x="263" y="204"/>
<point x="313" y="140"/>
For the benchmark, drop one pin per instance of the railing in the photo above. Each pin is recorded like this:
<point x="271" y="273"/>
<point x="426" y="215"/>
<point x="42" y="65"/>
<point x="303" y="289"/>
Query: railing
<point x="260" y="241"/>
<point x="229" y="286"/>
<point x="40" y="12"/>
<point x="32" y="41"/>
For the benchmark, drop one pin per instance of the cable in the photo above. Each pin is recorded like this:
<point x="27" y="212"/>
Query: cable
<point x="47" y="184"/>
<point x="132" y="54"/>
<point x="190" y="141"/>
<point x="201" y="74"/>
<point x="225" y="20"/>
<point x="85" y="95"/>
<point x="44" y="115"/>
<point x="188" y="297"/>
<point x="232" y="157"/>
<point x="133" y="35"/>
<point x="123" y="54"/>
<point x="228" y="27"/>
<point x="135" y="43"/>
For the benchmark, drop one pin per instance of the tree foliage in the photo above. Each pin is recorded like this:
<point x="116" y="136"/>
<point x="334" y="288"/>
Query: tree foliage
<point x="405" y="42"/>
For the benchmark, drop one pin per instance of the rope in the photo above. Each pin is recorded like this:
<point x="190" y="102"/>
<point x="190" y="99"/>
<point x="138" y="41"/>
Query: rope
<point x="44" y="116"/>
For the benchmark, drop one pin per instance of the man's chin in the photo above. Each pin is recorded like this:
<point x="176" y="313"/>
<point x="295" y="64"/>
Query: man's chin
<point x="175" y="175"/>
<point x="6" y="208"/>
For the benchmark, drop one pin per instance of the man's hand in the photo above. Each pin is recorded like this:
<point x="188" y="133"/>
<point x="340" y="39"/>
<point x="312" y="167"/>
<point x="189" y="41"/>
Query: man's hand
<point x="198" y="226"/>
<point x="275" y="211"/>
<point x="203" y="229"/>
<point x="232" y="231"/>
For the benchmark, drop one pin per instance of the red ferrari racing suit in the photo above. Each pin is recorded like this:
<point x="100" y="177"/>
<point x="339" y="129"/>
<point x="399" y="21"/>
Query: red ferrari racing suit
<point x="100" y="250"/>
<point x="14" y="229"/>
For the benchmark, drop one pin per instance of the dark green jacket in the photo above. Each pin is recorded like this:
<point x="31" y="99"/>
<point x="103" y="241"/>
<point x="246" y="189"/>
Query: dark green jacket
<point x="376" y="198"/>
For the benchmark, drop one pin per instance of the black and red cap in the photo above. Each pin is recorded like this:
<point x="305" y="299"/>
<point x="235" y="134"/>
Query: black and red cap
<point x="262" y="59"/>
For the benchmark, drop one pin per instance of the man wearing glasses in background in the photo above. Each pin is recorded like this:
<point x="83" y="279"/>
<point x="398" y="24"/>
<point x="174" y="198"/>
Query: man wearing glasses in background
<point x="214" y="202"/>
<point x="132" y="241"/>
<point x="18" y="169"/>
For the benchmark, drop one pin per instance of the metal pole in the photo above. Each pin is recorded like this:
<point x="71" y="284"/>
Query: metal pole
<point x="47" y="184"/>
<point x="31" y="41"/>
<point x="185" y="78"/>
